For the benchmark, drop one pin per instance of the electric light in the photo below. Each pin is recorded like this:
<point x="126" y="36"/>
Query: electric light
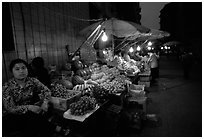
<point x="149" y="43"/>
<point x="138" y="48"/>
<point x="149" y="48"/>
<point x="131" y="50"/>
<point x="104" y="37"/>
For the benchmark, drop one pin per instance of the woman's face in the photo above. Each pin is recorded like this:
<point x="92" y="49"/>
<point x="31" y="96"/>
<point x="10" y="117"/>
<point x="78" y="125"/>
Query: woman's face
<point x="20" y="71"/>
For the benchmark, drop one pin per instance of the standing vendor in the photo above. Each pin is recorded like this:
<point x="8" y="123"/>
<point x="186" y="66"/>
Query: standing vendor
<point x="153" y="62"/>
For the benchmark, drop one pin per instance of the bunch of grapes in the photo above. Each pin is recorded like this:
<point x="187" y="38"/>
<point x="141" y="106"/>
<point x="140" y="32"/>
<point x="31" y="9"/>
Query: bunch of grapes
<point x="100" y="94"/>
<point x="58" y="90"/>
<point x="84" y="105"/>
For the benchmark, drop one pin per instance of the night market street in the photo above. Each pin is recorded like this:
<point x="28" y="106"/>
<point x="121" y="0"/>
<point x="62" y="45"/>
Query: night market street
<point x="101" y="69"/>
<point x="176" y="101"/>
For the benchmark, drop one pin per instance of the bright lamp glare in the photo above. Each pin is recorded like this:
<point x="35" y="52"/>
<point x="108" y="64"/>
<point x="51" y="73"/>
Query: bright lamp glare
<point x="165" y="47"/>
<point x="162" y="48"/>
<point x="149" y="43"/>
<point x="104" y="52"/>
<point x="149" y="48"/>
<point x="168" y="47"/>
<point x="104" y="37"/>
<point x="138" y="48"/>
<point x="131" y="50"/>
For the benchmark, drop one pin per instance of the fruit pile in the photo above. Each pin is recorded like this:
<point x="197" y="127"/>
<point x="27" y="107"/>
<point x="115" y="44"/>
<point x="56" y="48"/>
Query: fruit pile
<point x="87" y="92"/>
<point x="100" y="94"/>
<point x="84" y="105"/>
<point x="117" y="85"/>
<point x="58" y="90"/>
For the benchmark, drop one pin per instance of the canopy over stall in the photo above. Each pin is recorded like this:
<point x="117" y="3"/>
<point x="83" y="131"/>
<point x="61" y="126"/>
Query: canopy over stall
<point x="130" y="32"/>
<point x="111" y="27"/>
<point x="138" y="37"/>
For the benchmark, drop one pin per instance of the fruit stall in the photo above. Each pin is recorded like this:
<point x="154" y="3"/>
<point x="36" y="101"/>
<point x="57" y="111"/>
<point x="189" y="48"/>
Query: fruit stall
<point x="87" y="88"/>
<point x="95" y="88"/>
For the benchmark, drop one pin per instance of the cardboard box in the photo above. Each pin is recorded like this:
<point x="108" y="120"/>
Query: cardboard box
<point x="62" y="103"/>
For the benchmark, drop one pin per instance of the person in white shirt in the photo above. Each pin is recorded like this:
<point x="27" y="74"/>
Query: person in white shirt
<point x="153" y="62"/>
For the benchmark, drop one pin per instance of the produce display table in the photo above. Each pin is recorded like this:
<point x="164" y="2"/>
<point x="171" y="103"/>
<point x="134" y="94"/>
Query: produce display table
<point x="95" y="122"/>
<point x="84" y="113"/>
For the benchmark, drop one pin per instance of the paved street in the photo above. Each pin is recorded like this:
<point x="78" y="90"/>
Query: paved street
<point x="177" y="102"/>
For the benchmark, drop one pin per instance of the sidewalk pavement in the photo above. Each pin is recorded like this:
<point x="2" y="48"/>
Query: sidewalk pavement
<point x="176" y="101"/>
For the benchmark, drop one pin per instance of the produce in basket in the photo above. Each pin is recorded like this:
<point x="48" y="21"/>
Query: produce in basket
<point x="59" y="90"/>
<point x="84" y="105"/>
<point x="100" y="94"/>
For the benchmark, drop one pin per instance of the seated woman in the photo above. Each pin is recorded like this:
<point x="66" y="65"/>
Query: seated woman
<point x="25" y="99"/>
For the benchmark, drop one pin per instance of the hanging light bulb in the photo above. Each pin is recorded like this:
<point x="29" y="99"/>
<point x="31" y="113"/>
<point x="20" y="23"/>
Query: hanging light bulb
<point x="138" y="48"/>
<point x="104" y="52"/>
<point x="149" y="48"/>
<point x="149" y="43"/>
<point x="162" y="48"/>
<point x="104" y="37"/>
<point x="131" y="50"/>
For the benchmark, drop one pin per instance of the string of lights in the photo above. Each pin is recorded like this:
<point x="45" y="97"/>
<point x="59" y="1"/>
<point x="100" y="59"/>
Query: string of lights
<point x="75" y="18"/>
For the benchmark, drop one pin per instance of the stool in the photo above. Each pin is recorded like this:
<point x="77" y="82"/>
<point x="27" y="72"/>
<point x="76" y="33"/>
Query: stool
<point x="141" y="100"/>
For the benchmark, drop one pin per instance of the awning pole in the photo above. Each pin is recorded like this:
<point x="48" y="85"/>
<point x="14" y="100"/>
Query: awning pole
<point x="98" y="27"/>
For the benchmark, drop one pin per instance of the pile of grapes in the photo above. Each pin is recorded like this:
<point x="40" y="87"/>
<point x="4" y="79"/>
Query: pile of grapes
<point x="115" y="86"/>
<point x="58" y="90"/>
<point x="84" y="105"/>
<point x="100" y="94"/>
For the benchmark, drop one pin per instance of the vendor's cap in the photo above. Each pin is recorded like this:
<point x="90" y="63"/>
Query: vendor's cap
<point x="16" y="61"/>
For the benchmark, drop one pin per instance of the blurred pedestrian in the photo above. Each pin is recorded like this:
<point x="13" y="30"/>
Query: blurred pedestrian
<point x="187" y="62"/>
<point x="153" y="62"/>
<point x="39" y="71"/>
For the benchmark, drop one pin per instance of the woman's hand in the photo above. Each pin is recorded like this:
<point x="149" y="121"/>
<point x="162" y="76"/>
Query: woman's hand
<point x="34" y="108"/>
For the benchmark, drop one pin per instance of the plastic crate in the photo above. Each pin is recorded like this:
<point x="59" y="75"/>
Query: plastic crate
<point x="146" y="84"/>
<point x="136" y="90"/>
<point x="145" y="78"/>
<point x="141" y="101"/>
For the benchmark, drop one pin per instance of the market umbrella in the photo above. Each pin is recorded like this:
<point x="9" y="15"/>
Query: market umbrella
<point x="171" y="43"/>
<point x="152" y="35"/>
<point x="116" y="27"/>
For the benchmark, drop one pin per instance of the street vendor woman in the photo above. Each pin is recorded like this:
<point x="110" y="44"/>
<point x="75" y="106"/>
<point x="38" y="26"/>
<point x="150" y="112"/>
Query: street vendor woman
<point x="24" y="101"/>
